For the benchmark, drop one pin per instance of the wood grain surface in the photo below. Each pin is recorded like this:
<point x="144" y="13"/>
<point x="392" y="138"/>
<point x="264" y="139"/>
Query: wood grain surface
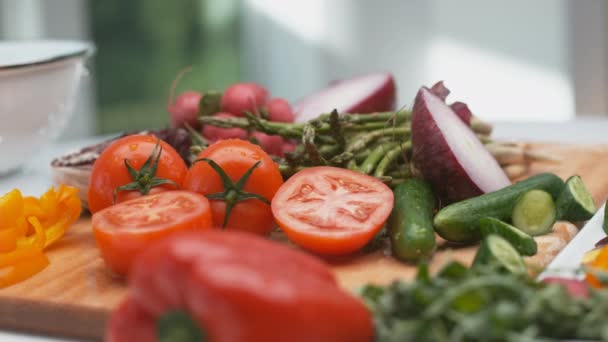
<point x="74" y="295"/>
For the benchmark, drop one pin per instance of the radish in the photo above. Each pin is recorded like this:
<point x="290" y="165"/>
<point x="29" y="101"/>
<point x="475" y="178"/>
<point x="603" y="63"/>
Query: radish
<point x="448" y="154"/>
<point x="184" y="110"/>
<point x="279" y="110"/>
<point x="288" y="146"/>
<point x="216" y="133"/>
<point x="272" y="144"/>
<point x="242" y="97"/>
<point x="576" y="288"/>
<point x="364" y="94"/>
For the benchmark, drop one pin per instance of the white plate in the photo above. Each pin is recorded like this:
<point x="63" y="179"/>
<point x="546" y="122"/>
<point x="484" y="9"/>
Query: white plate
<point x="570" y="258"/>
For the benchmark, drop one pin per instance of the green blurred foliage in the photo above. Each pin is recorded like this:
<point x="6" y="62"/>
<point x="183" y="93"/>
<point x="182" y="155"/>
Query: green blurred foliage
<point x="142" y="46"/>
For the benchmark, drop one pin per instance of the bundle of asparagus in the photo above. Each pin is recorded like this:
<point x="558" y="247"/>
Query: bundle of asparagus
<point x="377" y="144"/>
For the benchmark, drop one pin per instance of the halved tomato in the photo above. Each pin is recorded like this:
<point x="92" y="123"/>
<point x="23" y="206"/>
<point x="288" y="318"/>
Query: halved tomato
<point x="331" y="210"/>
<point x="124" y="229"/>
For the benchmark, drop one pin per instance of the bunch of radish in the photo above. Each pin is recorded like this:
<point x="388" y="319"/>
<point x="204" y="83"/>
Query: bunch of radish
<point x="236" y="100"/>
<point x="362" y="94"/>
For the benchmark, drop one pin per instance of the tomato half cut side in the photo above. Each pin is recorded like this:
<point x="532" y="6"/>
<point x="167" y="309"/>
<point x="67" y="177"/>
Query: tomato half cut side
<point x="123" y="230"/>
<point x="330" y="210"/>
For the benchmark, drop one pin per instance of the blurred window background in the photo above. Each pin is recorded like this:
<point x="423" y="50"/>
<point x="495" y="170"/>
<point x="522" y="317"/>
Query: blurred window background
<point x="542" y="60"/>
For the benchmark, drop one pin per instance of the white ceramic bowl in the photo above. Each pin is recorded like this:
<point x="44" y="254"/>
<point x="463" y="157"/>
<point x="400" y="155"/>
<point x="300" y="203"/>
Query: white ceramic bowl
<point x="38" y="88"/>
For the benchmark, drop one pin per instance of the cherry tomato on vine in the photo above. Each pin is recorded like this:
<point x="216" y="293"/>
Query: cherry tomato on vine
<point x="240" y="180"/>
<point x="133" y="166"/>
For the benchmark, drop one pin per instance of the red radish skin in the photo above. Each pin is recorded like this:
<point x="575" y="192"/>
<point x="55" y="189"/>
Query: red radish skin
<point x="288" y="146"/>
<point x="243" y="97"/>
<point x="576" y="288"/>
<point x="184" y="110"/>
<point x="214" y="134"/>
<point x="364" y="94"/>
<point x="279" y="110"/>
<point x="272" y="144"/>
<point x="448" y="154"/>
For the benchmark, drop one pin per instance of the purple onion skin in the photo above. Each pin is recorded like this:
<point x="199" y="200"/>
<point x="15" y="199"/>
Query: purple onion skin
<point x="462" y="110"/>
<point x="440" y="90"/>
<point x="383" y="99"/>
<point x="434" y="158"/>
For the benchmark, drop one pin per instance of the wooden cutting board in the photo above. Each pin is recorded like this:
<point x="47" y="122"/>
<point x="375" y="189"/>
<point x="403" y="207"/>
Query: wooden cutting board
<point x="74" y="295"/>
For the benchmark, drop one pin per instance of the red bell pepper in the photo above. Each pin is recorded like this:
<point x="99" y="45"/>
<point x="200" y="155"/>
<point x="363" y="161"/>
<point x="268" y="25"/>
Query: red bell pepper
<point x="232" y="286"/>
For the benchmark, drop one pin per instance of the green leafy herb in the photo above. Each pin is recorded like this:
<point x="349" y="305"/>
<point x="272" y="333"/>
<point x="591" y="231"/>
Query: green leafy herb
<point x="483" y="304"/>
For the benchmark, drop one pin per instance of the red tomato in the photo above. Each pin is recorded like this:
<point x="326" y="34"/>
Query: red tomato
<point x="235" y="157"/>
<point x="330" y="210"/>
<point x="238" y="287"/>
<point x="124" y="229"/>
<point x="110" y="172"/>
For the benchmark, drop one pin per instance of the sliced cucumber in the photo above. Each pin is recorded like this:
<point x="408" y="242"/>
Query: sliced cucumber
<point x="534" y="213"/>
<point x="497" y="251"/>
<point x="459" y="222"/>
<point x="522" y="242"/>
<point x="574" y="203"/>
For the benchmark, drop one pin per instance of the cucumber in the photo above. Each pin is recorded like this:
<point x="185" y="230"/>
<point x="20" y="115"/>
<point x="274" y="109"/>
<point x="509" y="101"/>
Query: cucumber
<point x="534" y="213"/>
<point x="411" y="222"/>
<point x="574" y="203"/>
<point x="459" y="222"/>
<point x="523" y="243"/>
<point x="498" y="252"/>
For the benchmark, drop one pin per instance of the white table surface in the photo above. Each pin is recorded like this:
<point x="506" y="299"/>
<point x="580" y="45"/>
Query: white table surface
<point x="34" y="178"/>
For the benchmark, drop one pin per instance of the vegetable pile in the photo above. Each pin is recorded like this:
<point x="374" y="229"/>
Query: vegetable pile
<point x="382" y="144"/>
<point x="337" y="195"/>
<point x="332" y="180"/>
<point x="28" y="226"/>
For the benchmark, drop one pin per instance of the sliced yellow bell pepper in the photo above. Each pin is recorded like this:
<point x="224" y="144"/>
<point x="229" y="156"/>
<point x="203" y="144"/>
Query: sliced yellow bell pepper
<point x="28" y="225"/>
<point x="8" y="239"/>
<point x="11" y="208"/>
<point x="23" y="269"/>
